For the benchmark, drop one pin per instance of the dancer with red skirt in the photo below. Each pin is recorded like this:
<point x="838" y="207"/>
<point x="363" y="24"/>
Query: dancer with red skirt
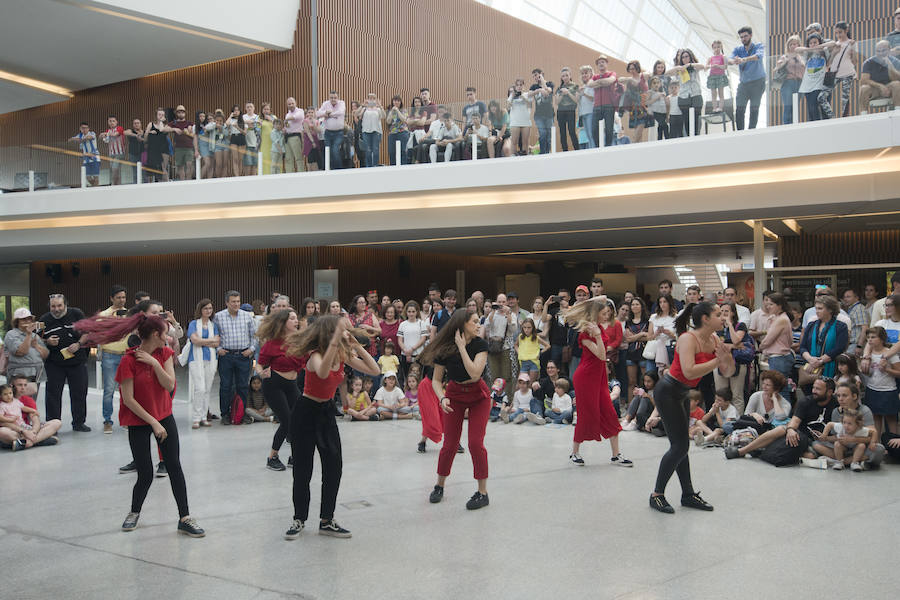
<point x="597" y="419"/>
<point x="459" y="355"/>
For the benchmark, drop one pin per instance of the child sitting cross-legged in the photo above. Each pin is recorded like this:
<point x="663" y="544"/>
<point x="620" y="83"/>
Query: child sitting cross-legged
<point x="390" y="400"/>
<point x="847" y="436"/>
<point x="722" y="412"/>
<point x="412" y="394"/>
<point x="560" y="410"/>
<point x="695" y="422"/>
<point x="498" y="399"/>
<point x="521" y="406"/>
<point x="256" y="407"/>
<point x="359" y="407"/>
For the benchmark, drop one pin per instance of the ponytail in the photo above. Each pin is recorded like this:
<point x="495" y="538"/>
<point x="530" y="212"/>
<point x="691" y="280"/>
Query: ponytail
<point x="104" y="330"/>
<point x="682" y="320"/>
<point x="693" y="314"/>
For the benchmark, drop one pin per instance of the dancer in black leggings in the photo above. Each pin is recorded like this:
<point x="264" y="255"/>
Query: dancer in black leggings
<point x="697" y="353"/>
<point x="146" y="376"/>
<point x="279" y="373"/>
<point x="329" y="342"/>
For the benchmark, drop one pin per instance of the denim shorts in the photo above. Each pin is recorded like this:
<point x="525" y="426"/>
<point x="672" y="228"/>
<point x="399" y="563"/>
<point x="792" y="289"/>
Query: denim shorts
<point x="251" y="157"/>
<point x="647" y="366"/>
<point x="526" y="366"/>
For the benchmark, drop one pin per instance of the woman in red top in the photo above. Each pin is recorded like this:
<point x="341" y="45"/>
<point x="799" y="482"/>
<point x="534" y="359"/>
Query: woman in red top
<point x="279" y="376"/>
<point x="697" y="353"/>
<point x="597" y="419"/>
<point x="146" y="379"/>
<point x="327" y="343"/>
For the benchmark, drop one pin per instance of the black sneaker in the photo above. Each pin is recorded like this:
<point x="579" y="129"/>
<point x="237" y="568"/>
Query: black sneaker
<point x="695" y="501"/>
<point x="460" y="449"/>
<point x="161" y="470"/>
<point x="478" y="500"/>
<point x="274" y="463"/>
<point x="333" y="529"/>
<point x="211" y="417"/>
<point x="421" y="448"/>
<point x="50" y="441"/>
<point x="290" y="462"/>
<point x="576" y="458"/>
<point x="226" y="419"/>
<point x="130" y="523"/>
<point x="732" y="452"/>
<point x="80" y="427"/>
<point x="437" y="494"/>
<point x="294" y="530"/>
<point x="374" y="417"/>
<point x="129" y="468"/>
<point x="188" y="526"/>
<point x="661" y="504"/>
<point x="621" y="461"/>
<point x="18" y="445"/>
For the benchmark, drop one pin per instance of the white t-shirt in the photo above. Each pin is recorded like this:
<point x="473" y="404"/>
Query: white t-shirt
<point x="743" y="314"/>
<point x="810" y="315"/>
<point x="879" y="380"/>
<point x="729" y="414"/>
<point x="861" y="432"/>
<point x="482" y="131"/>
<point x="563" y="403"/>
<point x="586" y="103"/>
<point x="892" y="328"/>
<point x="521" y="400"/>
<point x="389" y="398"/>
<point x="665" y="321"/>
<point x="411" y="333"/>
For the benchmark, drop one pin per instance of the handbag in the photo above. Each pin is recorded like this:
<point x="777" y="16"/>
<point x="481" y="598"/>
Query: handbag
<point x="650" y="350"/>
<point x="495" y="345"/>
<point x="830" y="75"/>
<point x="807" y="376"/>
<point x="747" y="351"/>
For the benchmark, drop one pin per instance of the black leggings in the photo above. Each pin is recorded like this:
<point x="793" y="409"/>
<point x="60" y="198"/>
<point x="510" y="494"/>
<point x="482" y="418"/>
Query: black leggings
<point x="662" y="126"/>
<point x="281" y="396"/>
<point x="685" y="105"/>
<point x="566" y="119"/>
<point x="139" y="439"/>
<point x="313" y="426"/>
<point x="672" y="402"/>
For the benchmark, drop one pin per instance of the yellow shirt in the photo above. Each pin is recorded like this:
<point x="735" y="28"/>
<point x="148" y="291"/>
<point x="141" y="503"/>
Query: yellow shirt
<point x="389" y="363"/>
<point x="529" y="349"/>
<point x="114" y="347"/>
<point x="358" y="403"/>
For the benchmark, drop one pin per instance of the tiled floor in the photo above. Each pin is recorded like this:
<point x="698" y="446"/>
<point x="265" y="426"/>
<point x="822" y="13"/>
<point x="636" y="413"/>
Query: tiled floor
<point x="552" y="530"/>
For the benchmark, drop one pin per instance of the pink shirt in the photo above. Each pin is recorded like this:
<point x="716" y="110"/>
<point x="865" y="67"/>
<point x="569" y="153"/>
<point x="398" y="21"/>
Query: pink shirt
<point x="13" y="409"/>
<point x="295" y="125"/>
<point x="335" y="122"/>
<point x="717" y="64"/>
<point x="603" y="96"/>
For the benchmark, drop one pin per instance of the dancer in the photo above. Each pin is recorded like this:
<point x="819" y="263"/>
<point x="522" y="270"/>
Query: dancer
<point x="697" y="353"/>
<point x="461" y="355"/>
<point x="597" y="418"/>
<point x="146" y="378"/>
<point x="328" y="342"/>
<point x="279" y="376"/>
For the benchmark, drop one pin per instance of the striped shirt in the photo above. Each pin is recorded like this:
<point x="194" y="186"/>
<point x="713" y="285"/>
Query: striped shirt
<point x="116" y="145"/>
<point x="89" y="151"/>
<point x="236" y="333"/>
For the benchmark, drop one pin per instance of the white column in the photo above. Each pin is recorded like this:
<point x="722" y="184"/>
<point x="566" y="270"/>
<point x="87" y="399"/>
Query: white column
<point x="474" y="147"/>
<point x="98" y="366"/>
<point x="259" y="163"/>
<point x="795" y="109"/>
<point x="138" y="173"/>
<point x="197" y="168"/>
<point x="30" y="181"/>
<point x="690" y="120"/>
<point x="327" y="158"/>
<point x="83" y="176"/>
<point x="759" y="271"/>
<point x="553" y="140"/>
<point x="399" y="152"/>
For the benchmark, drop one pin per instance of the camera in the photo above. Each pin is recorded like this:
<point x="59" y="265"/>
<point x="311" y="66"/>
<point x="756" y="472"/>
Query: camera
<point x="122" y="312"/>
<point x="495" y="306"/>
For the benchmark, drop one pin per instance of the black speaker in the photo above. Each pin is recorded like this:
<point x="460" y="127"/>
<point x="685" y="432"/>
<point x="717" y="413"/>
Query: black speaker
<point x="54" y="272"/>
<point x="105" y="267"/>
<point x="76" y="269"/>
<point x="272" y="264"/>
<point x="403" y="267"/>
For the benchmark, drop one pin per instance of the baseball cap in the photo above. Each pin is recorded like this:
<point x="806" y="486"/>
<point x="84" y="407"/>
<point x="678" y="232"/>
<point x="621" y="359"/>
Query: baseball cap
<point x="524" y="377"/>
<point x="247" y="307"/>
<point x="498" y="384"/>
<point x="389" y="374"/>
<point x="584" y="289"/>
<point x="22" y="313"/>
<point x="180" y="107"/>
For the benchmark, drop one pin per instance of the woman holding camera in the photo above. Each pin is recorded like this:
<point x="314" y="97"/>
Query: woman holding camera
<point x="24" y="347"/>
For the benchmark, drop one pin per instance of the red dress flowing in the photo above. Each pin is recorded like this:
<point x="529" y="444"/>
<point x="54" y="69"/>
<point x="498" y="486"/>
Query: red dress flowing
<point x="430" y="411"/>
<point x="597" y="418"/>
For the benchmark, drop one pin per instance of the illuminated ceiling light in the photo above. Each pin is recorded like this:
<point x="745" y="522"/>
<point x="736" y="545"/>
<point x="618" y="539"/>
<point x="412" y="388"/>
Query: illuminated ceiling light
<point x="156" y="23"/>
<point x="36" y="83"/>
<point x="793" y="225"/>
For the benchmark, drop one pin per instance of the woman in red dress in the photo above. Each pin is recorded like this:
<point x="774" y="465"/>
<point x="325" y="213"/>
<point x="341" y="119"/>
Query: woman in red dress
<point x="597" y="419"/>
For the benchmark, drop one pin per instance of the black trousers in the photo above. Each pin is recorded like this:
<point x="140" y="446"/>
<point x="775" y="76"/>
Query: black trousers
<point x="662" y="126"/>
<point x="313" y="427"/>
<point x="566" y="120"/>
<point x="676" y="126"/>
<point x="139" y="440"/>
<point x="674" y="408"/>
<point x="685" y="104"/>
<point x="885" y="438"/>
<point x="606" y="113"/>
<point x="77" y="377"/>
<point x="281" y="395"/>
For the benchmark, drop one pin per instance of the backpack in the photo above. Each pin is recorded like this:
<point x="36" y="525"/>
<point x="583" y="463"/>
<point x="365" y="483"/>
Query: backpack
<point x="747" y="351"/>
<point x="237" y="410"/>
<point x="740" y="438"/>
<point x="780" y="454"/>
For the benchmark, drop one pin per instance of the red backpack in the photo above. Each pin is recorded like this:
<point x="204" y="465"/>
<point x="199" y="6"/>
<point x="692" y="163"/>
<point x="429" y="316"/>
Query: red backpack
<point x="237" y="410"/>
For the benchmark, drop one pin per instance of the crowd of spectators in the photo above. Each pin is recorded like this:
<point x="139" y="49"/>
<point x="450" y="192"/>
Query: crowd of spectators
<point x="837" y="356"/>
<point x="587" y="109"/>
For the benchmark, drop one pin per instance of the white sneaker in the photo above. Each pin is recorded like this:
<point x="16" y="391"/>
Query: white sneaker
<point x="630" y="426"/>
<point x="856" y="467"/>
<point x="838" y="466"/>
<point x="519" y="419"/>
<point x="348" y="417"/>
<point x="536" y="419"/>
<point x="699" y="438"/>
<point x="504" y="417"/>
<point x="815" y="463"/>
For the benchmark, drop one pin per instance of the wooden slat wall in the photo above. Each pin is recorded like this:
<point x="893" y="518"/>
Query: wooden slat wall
<point x="840" y="248"/>
<point x="180" y="280"/>
<point x="869" y="21"/>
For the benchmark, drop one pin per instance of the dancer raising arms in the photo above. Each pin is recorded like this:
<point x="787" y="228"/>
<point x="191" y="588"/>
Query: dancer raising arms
<point x="279" y="376"/>
<point x="146" y="378"/>
<point x="328" y="343"/>
<point x="597" y="417"/>
<point x="461" y="355"/>
<point x="697" y="353"/>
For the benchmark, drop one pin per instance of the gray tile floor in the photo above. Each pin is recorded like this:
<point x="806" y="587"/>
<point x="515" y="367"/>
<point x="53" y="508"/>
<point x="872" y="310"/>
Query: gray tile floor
<point x="552" y="529"/>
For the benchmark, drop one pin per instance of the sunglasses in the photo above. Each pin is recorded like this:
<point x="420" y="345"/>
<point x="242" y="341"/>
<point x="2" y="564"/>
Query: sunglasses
<point x="52" y="296"/>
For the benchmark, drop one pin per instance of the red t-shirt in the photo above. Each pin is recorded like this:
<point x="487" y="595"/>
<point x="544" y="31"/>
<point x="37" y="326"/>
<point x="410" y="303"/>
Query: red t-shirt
<point x="182" y="140"/>
<point x="152" y="397"/>
<point x="272" y="355"/>
<point x="697" y="413"/>
<point x="603" y="96"/>
<point x="28" y="401"/>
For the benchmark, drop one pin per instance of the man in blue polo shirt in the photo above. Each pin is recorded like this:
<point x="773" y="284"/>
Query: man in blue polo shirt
<point x="90" y="154"/>
<point x="750" y="58"/>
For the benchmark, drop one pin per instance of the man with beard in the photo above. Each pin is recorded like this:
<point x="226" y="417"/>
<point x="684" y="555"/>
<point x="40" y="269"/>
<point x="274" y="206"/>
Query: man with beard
<point x="66" y="362"/>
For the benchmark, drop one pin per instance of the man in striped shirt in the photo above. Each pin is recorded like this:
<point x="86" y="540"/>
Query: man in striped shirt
<point x="90" y="155"/>
<point x="237" y="345"/>
<point x="114" y="137"/>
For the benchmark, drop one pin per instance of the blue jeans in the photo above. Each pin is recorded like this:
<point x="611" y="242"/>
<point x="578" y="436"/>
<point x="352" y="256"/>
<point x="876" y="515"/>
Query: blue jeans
<point x="334" y="140"/>
<point x="403" y="138"/>
<point x="558" y="417"/>
<point x="234" y="378"/>
<point x="109" y="364"/>
<point x="587" y="123"/>
<point x="788" y="89"/>
<point x="812" y="106"/>
<point x="544" y="125"/>
<point x="372" y="141"/>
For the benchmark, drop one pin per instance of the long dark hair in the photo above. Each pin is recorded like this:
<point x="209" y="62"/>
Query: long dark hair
<point x="668" y="298"/>
<point x="273" y="326"/>
<point x="104" y="330"/>
<point x="352" y="307"/>
<point x="693" y="313"/>
<point x="444" y="343"/>
<point x="317" y="336"/>
<point x="734" y="316"/>
<point x="200" y="306"/>
<point x="781" y="301"/>
<point x="645" y="316"/>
